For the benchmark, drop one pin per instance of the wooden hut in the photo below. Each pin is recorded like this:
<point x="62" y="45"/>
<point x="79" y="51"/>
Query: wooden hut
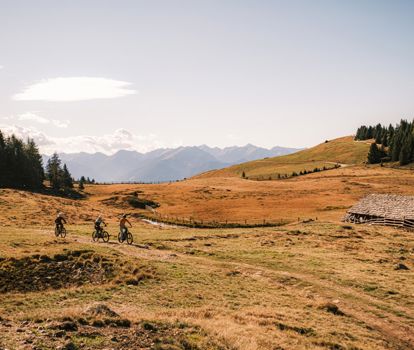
<point x="383" y="209"/>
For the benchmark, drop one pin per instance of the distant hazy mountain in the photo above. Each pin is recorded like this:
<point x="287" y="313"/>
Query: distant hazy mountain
<point x="235" y="154"/>
<point x="162" y="164"/>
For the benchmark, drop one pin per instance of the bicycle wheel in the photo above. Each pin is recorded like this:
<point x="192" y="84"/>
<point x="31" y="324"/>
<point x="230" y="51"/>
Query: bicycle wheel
<point x="130" y="239"/>
<point x="63" y="232"/>
<point x="105" y="236"/>
<point x="120" y="240"/>
<point x="57" y="233"/>
<point x="95" y="236"/>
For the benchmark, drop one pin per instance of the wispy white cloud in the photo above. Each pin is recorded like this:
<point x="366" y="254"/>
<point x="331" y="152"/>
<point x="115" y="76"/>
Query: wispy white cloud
<point x="35" y="117"/>
<point x="74" y="89"/>
<point x="1" y="67"/>
<point x="108" y="144"/>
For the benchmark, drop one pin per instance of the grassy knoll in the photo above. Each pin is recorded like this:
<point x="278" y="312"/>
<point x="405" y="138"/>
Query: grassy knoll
<point x="343" y="150"/>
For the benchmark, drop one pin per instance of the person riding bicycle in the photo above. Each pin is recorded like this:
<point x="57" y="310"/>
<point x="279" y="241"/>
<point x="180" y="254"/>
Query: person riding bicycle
<point x="98" y="222"/>
<point x="59" y="221"/>
<point x="122" y="226"/>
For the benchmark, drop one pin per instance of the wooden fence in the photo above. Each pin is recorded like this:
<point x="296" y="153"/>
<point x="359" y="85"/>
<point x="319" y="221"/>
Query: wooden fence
<point x="384" y="221"/>
<point x="191" y="222"/>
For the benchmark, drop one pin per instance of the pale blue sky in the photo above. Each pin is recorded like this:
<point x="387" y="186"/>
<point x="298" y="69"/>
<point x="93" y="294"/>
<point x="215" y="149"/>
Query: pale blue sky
<point x="290" y="73"/>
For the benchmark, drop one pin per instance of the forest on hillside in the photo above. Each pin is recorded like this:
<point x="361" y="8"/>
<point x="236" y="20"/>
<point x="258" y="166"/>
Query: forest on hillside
<point x="392" y="143"/>
<point x="21" y="166"/>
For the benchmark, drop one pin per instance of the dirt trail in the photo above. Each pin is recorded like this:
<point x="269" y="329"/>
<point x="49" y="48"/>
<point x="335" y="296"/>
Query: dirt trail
<point x="358" y="305"/>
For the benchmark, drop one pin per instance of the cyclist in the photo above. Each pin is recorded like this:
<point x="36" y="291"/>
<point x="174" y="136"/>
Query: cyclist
<point x="59" y="221"/>
<point x="98" y="222"/>
<point x="122" y="226"/>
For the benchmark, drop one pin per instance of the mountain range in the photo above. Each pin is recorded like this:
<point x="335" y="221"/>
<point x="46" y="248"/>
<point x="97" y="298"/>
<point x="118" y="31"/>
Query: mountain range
<point x="165" y="164"/>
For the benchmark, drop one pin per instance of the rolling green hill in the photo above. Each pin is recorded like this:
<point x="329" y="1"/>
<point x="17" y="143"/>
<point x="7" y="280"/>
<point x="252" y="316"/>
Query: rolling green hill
<point x="343" y="150"/>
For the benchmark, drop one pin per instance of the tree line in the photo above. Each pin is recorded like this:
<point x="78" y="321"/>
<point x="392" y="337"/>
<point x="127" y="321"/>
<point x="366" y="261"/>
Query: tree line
<point x="21" y="166"/>
<point x="287" y="176"/>
<point x="20" y="163"/>
<point x="392" y="143"/>
<point x="83" y="181"/>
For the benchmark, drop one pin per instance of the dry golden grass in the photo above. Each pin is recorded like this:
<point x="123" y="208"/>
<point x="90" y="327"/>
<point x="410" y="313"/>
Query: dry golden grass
<point x="315" y="285"/>
<point x="246" y="288"/>
<point x="325" y="195"/>
<point x="343" y="151"/>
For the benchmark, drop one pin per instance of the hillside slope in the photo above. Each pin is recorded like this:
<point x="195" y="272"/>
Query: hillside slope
<point x="343" y="150"/>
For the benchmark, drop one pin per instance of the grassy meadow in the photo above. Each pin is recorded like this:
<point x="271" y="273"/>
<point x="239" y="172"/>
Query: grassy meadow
<point x="312" y="283"/>
<point x="317" y="285"/>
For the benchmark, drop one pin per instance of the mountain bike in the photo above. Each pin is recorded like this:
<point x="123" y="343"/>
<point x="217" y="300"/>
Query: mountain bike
<point x="104" y="235"/>
<point x="127" y="236"/>
<point x="60" y="231"/>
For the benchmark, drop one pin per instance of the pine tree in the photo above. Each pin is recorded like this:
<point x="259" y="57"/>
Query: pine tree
<point x="20" y="163"/>
<point x="404" y="154"/>
<point x="374" y="155"/>
<point x="81" y="185"/>
<point x="395" y="148"/>
<point x="35" y="166"/>
<point x="66" y="178"/>
<point x="384" y="140"/>
<point x="377" y="133"/>
<point x="3" y="164"/>
<point x="54" y="172"/>
<point x="378" y="138"/>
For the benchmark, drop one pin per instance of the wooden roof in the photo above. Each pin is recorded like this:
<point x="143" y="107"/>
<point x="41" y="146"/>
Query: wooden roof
<point x="385" y="205"/>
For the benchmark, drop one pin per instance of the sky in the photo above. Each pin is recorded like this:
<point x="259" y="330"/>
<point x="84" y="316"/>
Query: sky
<point x="107" y="75"/>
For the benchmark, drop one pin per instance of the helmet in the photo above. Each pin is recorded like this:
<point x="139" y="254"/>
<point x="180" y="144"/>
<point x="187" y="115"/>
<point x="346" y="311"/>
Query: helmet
<point x="60" y="215"/>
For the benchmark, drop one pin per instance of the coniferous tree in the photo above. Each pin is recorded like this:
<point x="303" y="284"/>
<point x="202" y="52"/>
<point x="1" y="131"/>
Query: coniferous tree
<point x="374" y="155"/>
<point x="3" y="164"/>
<point x="378" y="138"/>
<point x="54" y="172"/>
<point x="66" y="178"/>
<point x="384" y="140"/>
<point x="35" y="165"/>
<point x="404" y="157"/>
<point x="20" y="163"/>
<point x="397" y="142"/>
